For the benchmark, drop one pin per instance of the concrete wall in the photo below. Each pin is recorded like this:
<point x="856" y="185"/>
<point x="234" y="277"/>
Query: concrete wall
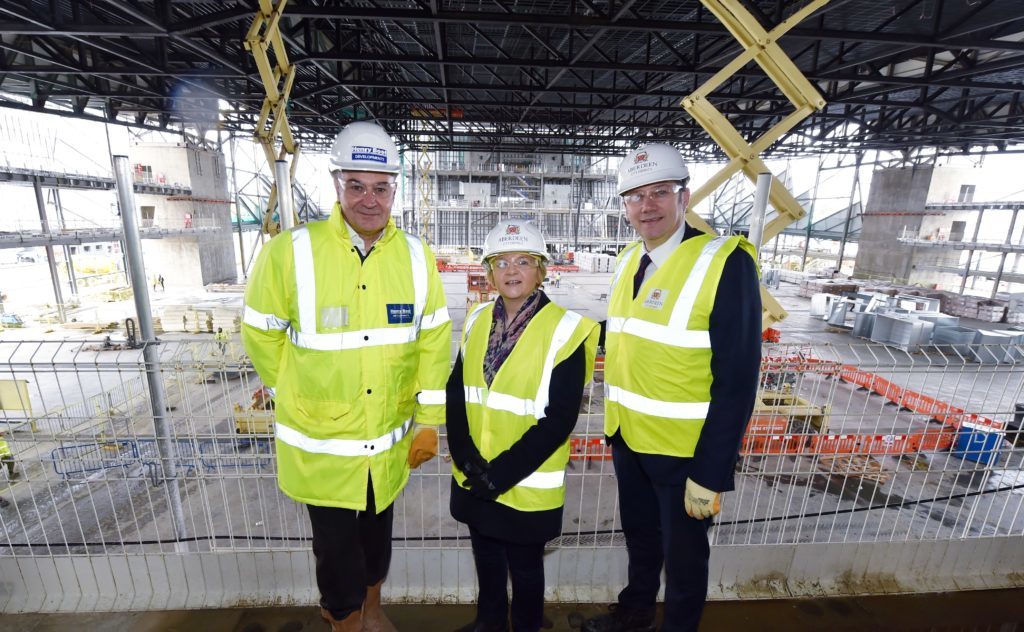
<point x="208" y="255"/>
<point x="898" y="191"/>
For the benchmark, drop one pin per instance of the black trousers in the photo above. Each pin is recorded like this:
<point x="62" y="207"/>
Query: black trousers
<point x="660" y="533"/>
<point x="352" y="551"/>
<point x="495" y="559"/>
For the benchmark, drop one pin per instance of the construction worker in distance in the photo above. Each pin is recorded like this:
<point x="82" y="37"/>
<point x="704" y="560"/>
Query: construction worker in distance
<point x="7" y="458"/>
<point x="513" y="399"/>
<point x="221" y="337"/>
<point x="683" y="352"/>
<point x="346" y="322"/>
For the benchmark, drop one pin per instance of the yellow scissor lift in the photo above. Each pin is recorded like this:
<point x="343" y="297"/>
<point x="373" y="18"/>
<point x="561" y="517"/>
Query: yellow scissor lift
<point x="762" y="47"/>
<point x="264" y="35"/>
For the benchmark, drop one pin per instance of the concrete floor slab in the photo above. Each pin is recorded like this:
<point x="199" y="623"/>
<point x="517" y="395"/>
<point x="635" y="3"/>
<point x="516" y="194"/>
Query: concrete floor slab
<point x="974" y="611"/>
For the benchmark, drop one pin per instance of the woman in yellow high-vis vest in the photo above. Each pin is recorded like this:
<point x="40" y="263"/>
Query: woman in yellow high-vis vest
<point x="513" y="399"/>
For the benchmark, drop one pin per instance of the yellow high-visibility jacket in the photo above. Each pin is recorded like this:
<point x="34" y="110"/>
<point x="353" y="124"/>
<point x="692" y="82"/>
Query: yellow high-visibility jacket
<point x="658" y="349"/>
<point x="353" y="351"/>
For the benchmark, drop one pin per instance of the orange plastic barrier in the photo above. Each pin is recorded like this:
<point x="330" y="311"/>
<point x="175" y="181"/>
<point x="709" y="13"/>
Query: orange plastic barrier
<point x="589" y="449"/>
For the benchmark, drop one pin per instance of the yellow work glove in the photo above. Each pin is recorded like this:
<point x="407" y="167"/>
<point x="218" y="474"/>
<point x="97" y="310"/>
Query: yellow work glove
<point x="424" y="445"/>
<point x="700" y="502"/>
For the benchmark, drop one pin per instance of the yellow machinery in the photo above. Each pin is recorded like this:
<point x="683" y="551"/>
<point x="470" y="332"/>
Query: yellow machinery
<point x="264" y="35"/>
<point x="762" y="47"/>
<point x="258" y="417"/>
<point x="14" y="398"/>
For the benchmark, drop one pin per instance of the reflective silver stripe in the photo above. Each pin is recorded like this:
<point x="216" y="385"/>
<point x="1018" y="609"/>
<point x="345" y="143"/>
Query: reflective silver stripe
<point x="259" y="320"/>
<point x="518" y="405"/>
<point x="543" y="480"/>
<point x="688" y="295"/>
<point x="436" y="319"/>
<point x="342" y="447"/>
<point x="473" y="315"/>
<point x="305" y="280"/>
<point x="474" y="394"/>
<point x="563" y="332"/>
<point x="346" y="340"/>
<point x="660" y="333"/>
<point x="431" y="397"/>
<point x="625" y="263"/>
<point x="499" y="401"/>
<point x="658" y="408"/>
<point x="418" y="257"/>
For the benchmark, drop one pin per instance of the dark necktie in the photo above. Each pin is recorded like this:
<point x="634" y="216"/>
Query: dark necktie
<point x="638" y="278"/>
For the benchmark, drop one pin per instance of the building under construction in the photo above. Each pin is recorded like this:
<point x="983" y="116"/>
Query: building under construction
<point x="883" y="459"/>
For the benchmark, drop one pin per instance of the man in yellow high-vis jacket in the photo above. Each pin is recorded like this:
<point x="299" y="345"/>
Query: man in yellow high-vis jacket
<point x="682" y="358"/>
<point x="346" y="322"/>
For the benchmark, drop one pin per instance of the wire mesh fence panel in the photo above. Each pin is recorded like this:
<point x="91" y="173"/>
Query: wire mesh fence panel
<point x="847" y="444"/>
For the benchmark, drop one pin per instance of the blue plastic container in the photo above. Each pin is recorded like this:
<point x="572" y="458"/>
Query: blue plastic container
<point x="977" y="443"/>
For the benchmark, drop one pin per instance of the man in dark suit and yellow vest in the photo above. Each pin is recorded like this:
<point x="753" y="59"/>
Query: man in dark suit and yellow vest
<point x="682" y="359"/>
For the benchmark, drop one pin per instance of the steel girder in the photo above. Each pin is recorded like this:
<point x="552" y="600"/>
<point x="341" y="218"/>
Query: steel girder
<point x="584" y="77"/>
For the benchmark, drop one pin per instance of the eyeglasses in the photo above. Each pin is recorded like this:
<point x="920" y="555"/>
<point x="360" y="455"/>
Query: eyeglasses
<point x="519" y="262"/>
<point x="657" y="194"/>
<point x="379" y="191"/>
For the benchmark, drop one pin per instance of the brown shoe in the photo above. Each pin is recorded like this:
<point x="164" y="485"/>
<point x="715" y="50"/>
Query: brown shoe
<point x="351" y="623"/>
<point x="374" y="619"/>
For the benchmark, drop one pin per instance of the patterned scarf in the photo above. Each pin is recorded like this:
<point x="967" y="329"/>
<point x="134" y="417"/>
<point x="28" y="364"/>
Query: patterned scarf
<point x="502" y="339"/>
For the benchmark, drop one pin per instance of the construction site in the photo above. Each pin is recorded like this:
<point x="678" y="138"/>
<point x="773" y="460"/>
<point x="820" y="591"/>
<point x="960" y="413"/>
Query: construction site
<point x="869" y="151"/>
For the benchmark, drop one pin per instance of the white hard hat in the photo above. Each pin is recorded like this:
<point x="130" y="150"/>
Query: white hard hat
<point x="515" y="235"/>
<point x="364" y="146"/>
<point x="651" y="163"/>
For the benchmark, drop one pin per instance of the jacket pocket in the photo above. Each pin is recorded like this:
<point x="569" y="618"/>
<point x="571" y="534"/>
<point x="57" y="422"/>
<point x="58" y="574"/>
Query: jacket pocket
<point x="321" y="411"/>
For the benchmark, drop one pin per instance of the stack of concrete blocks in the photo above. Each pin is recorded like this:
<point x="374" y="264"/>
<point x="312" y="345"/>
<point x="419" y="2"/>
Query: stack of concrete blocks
<point x="173" y="318"/>
<point x="962" y="305"/>
<point x="227" y="318"/>
<point x="594" y="262"/>
<point x="1015" y="309"/>
<point x="198" y="321"/>
<point x="810" y="287"/>
<point x="991" y="311"/>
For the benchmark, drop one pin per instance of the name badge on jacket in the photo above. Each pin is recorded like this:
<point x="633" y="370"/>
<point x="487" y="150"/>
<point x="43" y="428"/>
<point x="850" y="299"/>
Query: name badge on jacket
<point x="656" y="299"/>
<point x="399" y="313"/>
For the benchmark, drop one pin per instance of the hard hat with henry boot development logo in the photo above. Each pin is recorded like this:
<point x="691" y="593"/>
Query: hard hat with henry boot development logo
<point x="364" y="146"/>
<point x="651" y="163"/>
<point x="515" y="235"/>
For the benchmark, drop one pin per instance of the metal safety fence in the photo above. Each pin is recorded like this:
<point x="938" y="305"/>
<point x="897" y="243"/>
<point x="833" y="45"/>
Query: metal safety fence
<point x="863" y="469"/>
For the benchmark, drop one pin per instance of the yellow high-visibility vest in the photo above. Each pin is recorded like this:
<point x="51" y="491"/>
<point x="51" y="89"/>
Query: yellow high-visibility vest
<point x="658" y="348"/>
<point x="499" y="415"/>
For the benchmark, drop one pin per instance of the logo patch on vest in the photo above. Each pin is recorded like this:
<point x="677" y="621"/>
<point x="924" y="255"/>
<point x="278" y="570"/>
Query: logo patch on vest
<point x="656" y="298"/>
<point x="399" y="313"/>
